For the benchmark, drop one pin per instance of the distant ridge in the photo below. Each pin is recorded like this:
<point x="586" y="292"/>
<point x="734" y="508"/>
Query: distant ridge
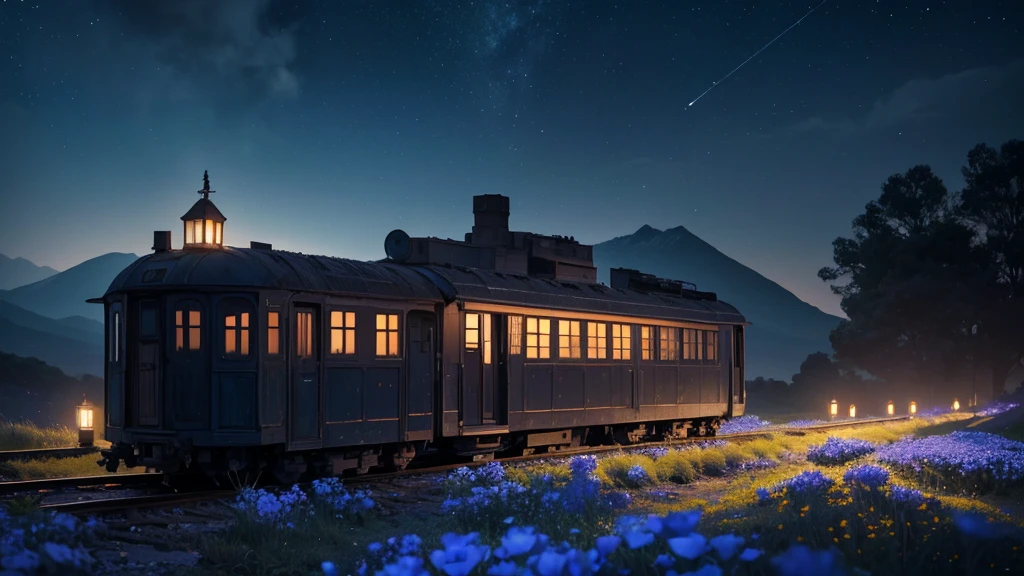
<point x="784" y="328"/>
<point x="15" y="272"/>
<point x="64" y="294"/>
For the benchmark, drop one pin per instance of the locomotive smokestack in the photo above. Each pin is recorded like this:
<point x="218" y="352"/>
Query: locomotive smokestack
<point x="161" y="240"/>
<point x="490" y="220"/>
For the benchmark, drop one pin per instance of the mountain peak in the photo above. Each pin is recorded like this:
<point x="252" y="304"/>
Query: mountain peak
<point x="646" y="230"/>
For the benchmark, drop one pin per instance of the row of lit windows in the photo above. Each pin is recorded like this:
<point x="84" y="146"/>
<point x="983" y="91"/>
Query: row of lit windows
<point x="237" y="329"/>
<point x="693" y="345"/>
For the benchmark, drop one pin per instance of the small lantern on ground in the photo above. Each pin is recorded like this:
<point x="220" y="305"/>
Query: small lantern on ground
<point x="833" y="409"/>
<point x="853" y="411"/>
<point x="913" y="408"/>
<point x="956" y="405"/>
<point x="84" y="419"/>
<point x="890" y="409"/>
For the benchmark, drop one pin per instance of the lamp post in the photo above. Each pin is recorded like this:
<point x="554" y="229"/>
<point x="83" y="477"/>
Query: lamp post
<point x="974" y="363"/>
<point x="853" y="411"/>
<point x="84" y="419"/>
<point x="833" y="409"/>
<point x="913" y="409"/>
<point x="890" y="409"/>
<point x="956" y="405"/>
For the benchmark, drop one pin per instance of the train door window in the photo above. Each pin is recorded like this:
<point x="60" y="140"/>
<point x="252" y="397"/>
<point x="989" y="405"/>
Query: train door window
<point x="115" y="336"/>
<point x="668" y="345"/>
<point x="711" y="345"/>
<point x="568" y="339"/>
<point x="236" y="335"/>
<point x="387" y="334"/>
<point x="303" y="334"/>
<point x="700" y="344"/>
<point x="486" y="333"/>
<point x="621" y="341"/>
<point x="187" y="329"/>
<point x="273" y="333"/>
<point x="538" y="338"/>
<point x="515" y="335"/>
<point x="472" y="331"/>
<point x="597" y="340"/>
<point x="343" y="332"/>
<point x="689" y="344"/>
<point x="646" y="343"/>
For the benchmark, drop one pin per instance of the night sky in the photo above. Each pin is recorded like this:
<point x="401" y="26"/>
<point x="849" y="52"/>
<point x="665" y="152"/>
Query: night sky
<point x="325" y="125"/>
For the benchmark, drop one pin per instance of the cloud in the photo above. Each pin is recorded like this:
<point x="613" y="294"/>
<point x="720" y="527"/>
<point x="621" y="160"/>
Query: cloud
<point x="225" y="49"/>
<point x="921" y="99"/>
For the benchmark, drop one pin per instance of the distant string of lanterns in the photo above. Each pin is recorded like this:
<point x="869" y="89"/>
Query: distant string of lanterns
<point x="890" y="408"/>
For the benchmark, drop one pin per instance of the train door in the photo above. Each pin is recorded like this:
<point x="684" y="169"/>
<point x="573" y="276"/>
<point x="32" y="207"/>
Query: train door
<point x="304" y="396"/>
<point x="147" y="376"/>
<point x="419" y="392"/>
<point x="738" y="382"/>
<point x="480" y="381"/>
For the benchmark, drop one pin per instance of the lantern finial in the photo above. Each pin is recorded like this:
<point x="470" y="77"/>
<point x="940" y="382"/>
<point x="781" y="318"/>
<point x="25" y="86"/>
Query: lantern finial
<point x="206" y="186"/>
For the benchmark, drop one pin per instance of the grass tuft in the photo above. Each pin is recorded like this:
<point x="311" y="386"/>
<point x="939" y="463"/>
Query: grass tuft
<point x="26" y="435"/>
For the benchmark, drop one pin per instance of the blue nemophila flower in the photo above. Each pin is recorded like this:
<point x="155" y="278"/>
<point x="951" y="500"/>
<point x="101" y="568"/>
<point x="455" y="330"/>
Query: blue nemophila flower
<point x="681" y="523"/>
<point x="802" y="423"/>
<point x="705" y="570"/>
<point x="867" y="476"/>
<point x="976" y="456"/>
<point x="329" y="569"/>
<point x="800" y="560"/>
<point x="837" y="451"/>
<point x="747" y="423"/>
<point x="409" y="566"/>
<point x="726" y="545"/>
<point x="619" y="500"/>
<point x="810" y="482"/>
<point x="763" y="495"/>
<point x="518" y="541"/>
<point x="750" y="554"/>
<point x="690" y="547"/>
<point x="606" y="545"/>
<point x="461" y="554"/>
<point x="637" y="475"/>
<point x="997" y="408"/>
<point x="505" y="568"/>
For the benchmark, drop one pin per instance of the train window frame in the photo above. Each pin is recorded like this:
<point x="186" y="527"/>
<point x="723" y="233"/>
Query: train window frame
<point x="622" y="345"/>
<point x="391" y="344"/>
<point x="647" y="337"/>
<point x="487" y="335"/>
<point x="689" y="344"/>
<point x="711" y="346"/>
<point x="237" y="329"/>
<point x="597" y="340"/>
<point x="345" y="330"/>
<point x="570" y="341"/>
<point x="304" y="341"/>
<point x="471" y="331"/>
<point x="188" y="328"/>
<point x="515" y="335"/>
<point x="538" y="338"/>
<point x="700" y="345"/>
<point x="668" y="344"/>
<point x="115" y="333"/>
<point x="273" y="333"/>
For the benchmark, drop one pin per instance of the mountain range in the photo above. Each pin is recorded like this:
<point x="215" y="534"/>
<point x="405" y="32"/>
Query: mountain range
<point x="16" y="272"/>
<point x="784" y="329"/>
<point x="49" y="318"/>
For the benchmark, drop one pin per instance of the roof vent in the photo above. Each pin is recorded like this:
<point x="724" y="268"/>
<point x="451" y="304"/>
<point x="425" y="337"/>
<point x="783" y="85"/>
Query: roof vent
<point x="260" y="246"/>
<point x="161" y="240"/>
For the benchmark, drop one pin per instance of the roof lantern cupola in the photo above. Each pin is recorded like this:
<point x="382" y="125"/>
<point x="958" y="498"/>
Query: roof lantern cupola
<point x="204" y="224"/>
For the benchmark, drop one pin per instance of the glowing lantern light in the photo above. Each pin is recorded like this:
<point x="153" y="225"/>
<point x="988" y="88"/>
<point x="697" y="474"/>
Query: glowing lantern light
<point x="913" y="408"/>
<point x="956" y="405"/>
<point x="204" y="223"/>
<point x="853" y="411"/>
<point x="833" y="409"/>
<point x="890" y="409"/>
<point x="84" y="419"/>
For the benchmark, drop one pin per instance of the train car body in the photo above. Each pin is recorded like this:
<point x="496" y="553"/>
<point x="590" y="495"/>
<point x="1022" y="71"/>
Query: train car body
<point x="237" y="358"/>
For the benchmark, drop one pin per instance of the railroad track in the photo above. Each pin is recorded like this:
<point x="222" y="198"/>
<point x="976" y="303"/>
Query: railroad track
<point x="104" y="481"/>
<point x="108" y="505"/>
<point x="39" y="453"/>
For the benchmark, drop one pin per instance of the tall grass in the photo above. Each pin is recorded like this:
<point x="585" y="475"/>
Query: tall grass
<point x="26" y="435"/>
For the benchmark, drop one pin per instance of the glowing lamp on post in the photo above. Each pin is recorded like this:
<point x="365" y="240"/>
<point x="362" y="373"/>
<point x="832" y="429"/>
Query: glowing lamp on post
<point x="833" y="409"/>
<point x="956" y="405"/>
<point x="204" y="223"/>
<point x="84" y="419"/>
<point x="913" y="408"/>
<point x="853" y="411"/>
<point x="890" y="409"/>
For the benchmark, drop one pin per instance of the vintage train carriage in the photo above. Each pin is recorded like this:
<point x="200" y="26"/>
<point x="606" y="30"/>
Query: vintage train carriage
<point x="224" y="358"/>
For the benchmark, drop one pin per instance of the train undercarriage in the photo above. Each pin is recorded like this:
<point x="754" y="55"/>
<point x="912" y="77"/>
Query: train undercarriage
<point x="218" y="463"/>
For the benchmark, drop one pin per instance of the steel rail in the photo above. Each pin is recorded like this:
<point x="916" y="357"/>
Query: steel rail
<point x="106" y="480"/>
<point x="106" y="505"/>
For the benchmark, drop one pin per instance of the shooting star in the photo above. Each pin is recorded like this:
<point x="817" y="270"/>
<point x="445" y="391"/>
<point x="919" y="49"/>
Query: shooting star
<point x="713" y="84"/>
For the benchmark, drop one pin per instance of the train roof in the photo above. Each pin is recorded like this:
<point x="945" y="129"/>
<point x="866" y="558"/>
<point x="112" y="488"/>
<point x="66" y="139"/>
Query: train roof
<point x="487" y="286"/>
<point x="282" y="270"/>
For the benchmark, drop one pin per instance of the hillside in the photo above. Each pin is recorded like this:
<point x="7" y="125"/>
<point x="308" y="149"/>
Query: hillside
<point x="71" y="355"/>
<point x="784" y="328"/>
<point x="44" y="394"/>
<point x="64" y="294"/>
<point x="15" y="272"/>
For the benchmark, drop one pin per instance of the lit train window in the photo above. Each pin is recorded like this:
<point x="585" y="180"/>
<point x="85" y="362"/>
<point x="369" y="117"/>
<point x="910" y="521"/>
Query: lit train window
<point x="115" y="338"/>
<point x="646" y="343"/>
<point x="187" y="325"/>
<point x="236" y="334"/>
<point x="689" y="344"/>
<point x="273" y="333"/>
<point x="303" y="334"/>
<point x="538" y="338"/>
<point x="515" y="335"/>
<point x="472" y="331"/>
<point x="597" y="340"/>
<point x="568" y="339"/>
<point x="621" y="342"/>
<point x="711" y="344"/>
<point x="486" y="333"/>
<point x="668" y="344"/>
<point x="343" y="332"/>
<point x="700" y="344"/>
<point x="387" y="334"/>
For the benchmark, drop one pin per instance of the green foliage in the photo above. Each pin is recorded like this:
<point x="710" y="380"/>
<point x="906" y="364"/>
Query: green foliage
<point x="23" y="505"/>
<point x="26" y="435"/>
